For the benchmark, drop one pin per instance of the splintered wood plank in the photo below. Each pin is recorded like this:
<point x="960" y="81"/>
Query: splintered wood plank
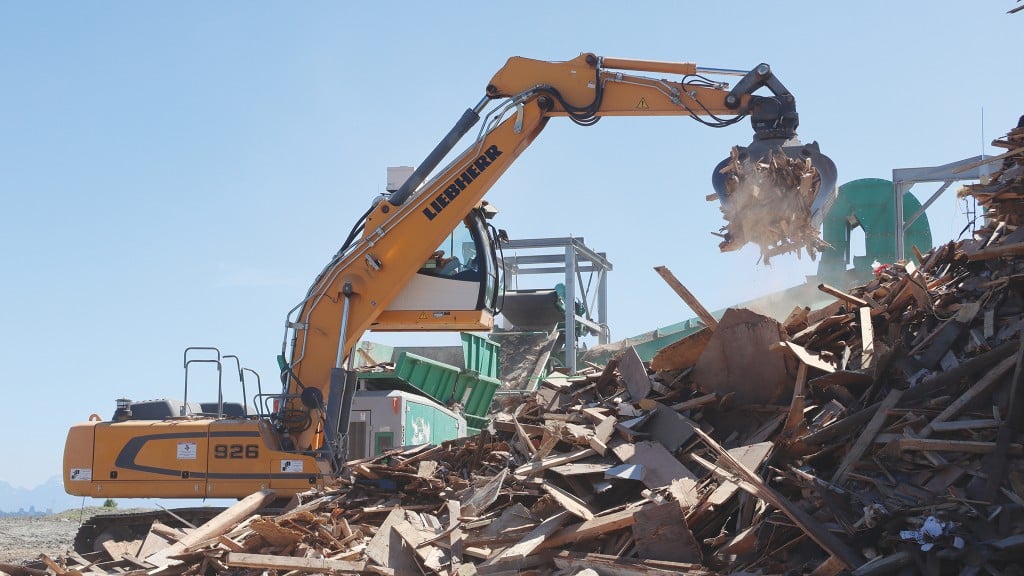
<point x="481" y="496"/>
<point x="523" y="438"/>
<point x="607" y="565"/>
<point x="632" y="370"/>
<point x="867" y="437"/>
<point x="580" y="468"/>
<point x="593" y="528"/>
<point x="535" y="468"/>
<point x="661" y="533"/>
<point x="811" y="527"/>
<point x="667" y="426"/>
<point x="219" y="524"/>
<point x="796" y="318"/>
<point x="687" y="297"/>
<point x="812" y="359"/>
<point x="833" y="291"/>
<point x="695" y="402"/>
<point x="568" y="501"/>
<point x="157" y="539"/>
<point x="118" y="549"/>
<point x="273" y="562"/>
<point x="965" y="446"/>
<point x="432" y="557"/>
<point x="982" y="386"/>
<point x="867" y="338"/>
<point x="387" y="547"/>
<point x="941" y="343"/>
<point x="532" y="541"/>
<point x="682" y="353"/>
<point x="275" y="534"/>
<point x="752" y="456"/>
<point x="456" y="542"/>
<point x="660" y="465"/>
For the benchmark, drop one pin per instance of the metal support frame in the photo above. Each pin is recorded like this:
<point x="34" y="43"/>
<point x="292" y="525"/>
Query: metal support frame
<point x="575" y="259"/>
<point x="903" y="179"/>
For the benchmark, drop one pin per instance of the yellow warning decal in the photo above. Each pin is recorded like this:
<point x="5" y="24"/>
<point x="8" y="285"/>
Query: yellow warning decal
<point x="423" y="316"/>
<point x="642" y="104"/>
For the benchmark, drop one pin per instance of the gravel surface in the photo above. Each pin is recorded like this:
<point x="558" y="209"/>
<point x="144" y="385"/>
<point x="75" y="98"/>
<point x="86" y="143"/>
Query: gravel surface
<point x="24" y="539"/>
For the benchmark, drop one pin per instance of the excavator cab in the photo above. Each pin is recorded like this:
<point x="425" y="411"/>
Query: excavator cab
<point x="457" y="288"/>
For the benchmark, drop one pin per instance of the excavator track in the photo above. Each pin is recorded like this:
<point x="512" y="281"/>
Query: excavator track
<point x="136" y="525"/>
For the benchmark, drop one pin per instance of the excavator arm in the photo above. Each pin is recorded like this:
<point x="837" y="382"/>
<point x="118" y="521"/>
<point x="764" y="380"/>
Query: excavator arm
<point x="400" y="232"/>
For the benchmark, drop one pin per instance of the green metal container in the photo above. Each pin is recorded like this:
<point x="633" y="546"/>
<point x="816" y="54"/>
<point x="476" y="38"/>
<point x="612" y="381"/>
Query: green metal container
<point x="443" y="383"/>
<point x="481" y="354"/>
<point x="436" y="379"/>
<point x="475" y="392"/>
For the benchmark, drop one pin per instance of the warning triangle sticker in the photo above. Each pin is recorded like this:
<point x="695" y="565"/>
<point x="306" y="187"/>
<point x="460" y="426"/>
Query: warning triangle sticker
<point x="642" y="105"/>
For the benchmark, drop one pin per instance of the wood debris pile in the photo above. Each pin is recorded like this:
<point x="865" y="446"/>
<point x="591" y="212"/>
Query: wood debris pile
<point x="768" y="202"/>
<point x="1002" y="195"/>
<point x="881" y="434"/>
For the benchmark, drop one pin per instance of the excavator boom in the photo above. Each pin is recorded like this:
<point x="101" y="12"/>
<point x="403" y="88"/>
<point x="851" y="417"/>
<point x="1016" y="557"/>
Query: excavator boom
<point x="400" y="232"/>
<point x="165" y="449"/>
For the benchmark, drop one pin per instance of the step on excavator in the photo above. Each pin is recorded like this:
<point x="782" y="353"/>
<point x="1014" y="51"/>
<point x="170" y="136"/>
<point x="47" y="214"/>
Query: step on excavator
<point x="390" y="275"/>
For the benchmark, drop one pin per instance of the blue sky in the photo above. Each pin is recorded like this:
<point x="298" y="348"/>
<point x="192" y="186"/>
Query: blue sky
<point x="175" y="174"/>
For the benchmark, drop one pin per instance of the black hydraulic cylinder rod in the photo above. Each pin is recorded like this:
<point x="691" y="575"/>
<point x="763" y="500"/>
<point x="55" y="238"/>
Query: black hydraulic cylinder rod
<point x="470" y="117"/>
<point x="346" y="410"/>
<point x="335" y="393"/>
<point x="339" y="412"/>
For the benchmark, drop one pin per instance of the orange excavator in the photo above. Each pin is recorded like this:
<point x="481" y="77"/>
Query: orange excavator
<point x="389" y="276"/>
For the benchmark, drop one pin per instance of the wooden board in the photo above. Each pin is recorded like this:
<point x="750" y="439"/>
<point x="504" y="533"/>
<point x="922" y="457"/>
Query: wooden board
<point x="669" y="427"/>
<point x="660" y="465"/>
<point x="661" y="533"/>
<point x="536" y="468"/>
<point x="533" y="540"/>
<point x="739" y="347"/>
<point x="591" y="529"/>
<point x="568" y="501"/>
<point x="387" y="547"/>
<point x="683" y="353"/>
<point x="632" y="370"/>
<point x="271" y="562"/>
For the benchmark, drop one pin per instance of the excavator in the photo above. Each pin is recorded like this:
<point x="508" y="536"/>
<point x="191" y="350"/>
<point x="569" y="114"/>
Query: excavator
<point x="421" y="258"/>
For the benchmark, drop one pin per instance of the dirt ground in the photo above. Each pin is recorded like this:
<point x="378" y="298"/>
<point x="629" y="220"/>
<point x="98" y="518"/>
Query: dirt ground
<point x="24" y="539"/>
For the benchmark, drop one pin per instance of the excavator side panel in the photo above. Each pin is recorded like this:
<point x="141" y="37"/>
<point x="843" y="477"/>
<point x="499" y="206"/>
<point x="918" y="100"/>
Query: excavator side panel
<point x="181" y="459"/>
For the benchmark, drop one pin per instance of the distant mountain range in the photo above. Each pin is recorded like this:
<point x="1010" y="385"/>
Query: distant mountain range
<point x="49" y="495"/>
